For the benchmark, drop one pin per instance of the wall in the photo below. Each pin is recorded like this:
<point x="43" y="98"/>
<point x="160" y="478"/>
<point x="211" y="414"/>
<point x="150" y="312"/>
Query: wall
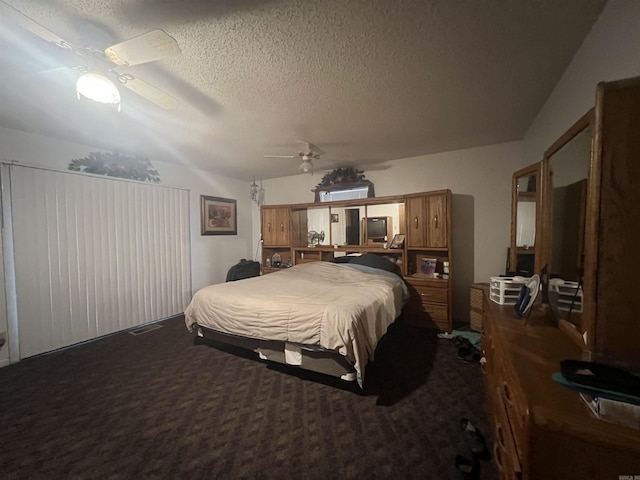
<point x="611" y="51"/>
<point x="480" y="179"/>
<point x="211" y="256"/>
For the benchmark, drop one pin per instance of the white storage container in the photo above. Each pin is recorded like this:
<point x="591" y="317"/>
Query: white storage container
<point x="569" y="295"/>
<point x="505" y="290"/>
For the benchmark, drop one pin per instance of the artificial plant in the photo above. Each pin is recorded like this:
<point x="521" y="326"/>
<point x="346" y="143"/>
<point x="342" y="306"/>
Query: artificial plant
<point x="115" y="164"/>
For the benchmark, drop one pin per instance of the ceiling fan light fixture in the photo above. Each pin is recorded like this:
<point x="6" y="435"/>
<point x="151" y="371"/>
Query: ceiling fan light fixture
<point x="306" y="166"/>
<point x="98" y="88"/>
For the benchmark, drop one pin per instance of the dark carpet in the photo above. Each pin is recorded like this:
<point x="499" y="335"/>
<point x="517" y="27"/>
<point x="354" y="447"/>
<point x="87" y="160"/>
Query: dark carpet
<point x="159" y="405"/>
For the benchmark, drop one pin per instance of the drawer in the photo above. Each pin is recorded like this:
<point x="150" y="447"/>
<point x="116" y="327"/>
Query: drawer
<point x="516" y="415"/>
<point x="427" y="314"/>
<point x="429" y="294"/>
<point x="434" y="311"/>
<point x="504" y="450"/>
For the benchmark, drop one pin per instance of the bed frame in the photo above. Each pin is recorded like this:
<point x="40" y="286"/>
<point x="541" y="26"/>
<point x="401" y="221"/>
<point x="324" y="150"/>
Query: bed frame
<point x="314" y="358"/>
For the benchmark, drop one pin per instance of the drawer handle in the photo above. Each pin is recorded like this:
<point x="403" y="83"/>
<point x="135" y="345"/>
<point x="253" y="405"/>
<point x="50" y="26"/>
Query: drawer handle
<point x="435" y="221"/>
<point x="507" y="394"/>
<point x="282" y="227"/>
<point x="415" y="222"/>
<point x="498" y="456"/>
<point x="269" y="226"/>
<point x="500" y="436"/>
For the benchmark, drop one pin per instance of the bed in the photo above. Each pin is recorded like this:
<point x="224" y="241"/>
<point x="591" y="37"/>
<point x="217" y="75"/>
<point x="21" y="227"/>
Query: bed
<point x="322" y="316"/>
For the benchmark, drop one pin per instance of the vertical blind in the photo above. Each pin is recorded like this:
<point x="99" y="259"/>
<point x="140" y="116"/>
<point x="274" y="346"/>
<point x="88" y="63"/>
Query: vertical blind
<point x="95" y="255"/>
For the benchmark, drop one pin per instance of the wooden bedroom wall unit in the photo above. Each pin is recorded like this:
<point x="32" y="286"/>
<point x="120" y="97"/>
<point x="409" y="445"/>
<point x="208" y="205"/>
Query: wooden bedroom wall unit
<point x="425" y="220"/>
<point x="429" y="237"/>
<point x="276" y="234"/>
<point x="543" y="430"/>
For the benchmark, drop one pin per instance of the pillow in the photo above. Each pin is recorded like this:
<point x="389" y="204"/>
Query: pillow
<point x="345" y="259"/>
<point x="375" y="261"/>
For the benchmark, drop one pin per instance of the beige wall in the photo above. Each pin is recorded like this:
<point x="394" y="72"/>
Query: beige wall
<point x="611" y="51"/>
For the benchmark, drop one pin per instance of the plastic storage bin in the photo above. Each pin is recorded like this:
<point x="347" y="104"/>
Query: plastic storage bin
<point x="505" y="290"/>
<point x="569" y="295"/>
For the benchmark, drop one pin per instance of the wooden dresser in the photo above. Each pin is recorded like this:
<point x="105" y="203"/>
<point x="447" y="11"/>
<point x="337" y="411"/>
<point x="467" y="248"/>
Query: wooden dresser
<point x="543" y="430"/>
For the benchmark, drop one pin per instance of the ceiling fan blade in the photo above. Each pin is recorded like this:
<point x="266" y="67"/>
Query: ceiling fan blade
<point x="311" y="148"/>
<point x="38" y="74"/>
<point x="16" y="17"/>
<point x="144" y="48"/>
<point x="281" y="156"/>
<point x="148" y="91"/>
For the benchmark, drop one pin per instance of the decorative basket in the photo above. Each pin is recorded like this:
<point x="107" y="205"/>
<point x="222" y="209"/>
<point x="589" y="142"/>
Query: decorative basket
<point x="476" y="297"/>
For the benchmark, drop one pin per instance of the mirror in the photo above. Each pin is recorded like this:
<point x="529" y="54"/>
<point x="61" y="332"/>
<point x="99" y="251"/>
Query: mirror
<point x="344" y="191"/>
<point x="383" y="222"/>
<point x="525" y="220"/>
<point x="567" y="165"/>
<point x="318" y="221"/>
<point x="346" y="227"/>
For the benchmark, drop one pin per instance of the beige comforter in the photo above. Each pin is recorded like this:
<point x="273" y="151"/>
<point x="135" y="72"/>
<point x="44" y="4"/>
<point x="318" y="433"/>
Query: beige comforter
<point x="321" y="303"/>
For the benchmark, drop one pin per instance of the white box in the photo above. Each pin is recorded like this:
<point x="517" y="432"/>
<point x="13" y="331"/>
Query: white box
<point x="613" y="411"/>
<point x="569" y="295"/>
<point x="505" y="290"/>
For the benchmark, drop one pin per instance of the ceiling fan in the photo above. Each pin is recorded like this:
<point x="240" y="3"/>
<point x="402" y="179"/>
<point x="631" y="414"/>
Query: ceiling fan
<point x="307" y="153"/>
<point x="113" y="61"/>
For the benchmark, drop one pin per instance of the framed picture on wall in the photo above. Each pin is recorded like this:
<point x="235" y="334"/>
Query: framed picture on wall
<point x="218" y="216"/>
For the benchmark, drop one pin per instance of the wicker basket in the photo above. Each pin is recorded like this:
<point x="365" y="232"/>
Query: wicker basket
<point x="476" y="296"/>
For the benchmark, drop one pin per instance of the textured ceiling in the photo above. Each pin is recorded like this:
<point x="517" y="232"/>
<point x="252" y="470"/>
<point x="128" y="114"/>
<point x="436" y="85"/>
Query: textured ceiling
<point x="364" y="80"/>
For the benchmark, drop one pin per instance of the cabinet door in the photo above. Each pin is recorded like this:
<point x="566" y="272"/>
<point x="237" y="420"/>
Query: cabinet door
<point x="282" y="226"/>
<point x="275" y="226"/>
<point x="416" y="227"/>
<point x="437" y="229"/>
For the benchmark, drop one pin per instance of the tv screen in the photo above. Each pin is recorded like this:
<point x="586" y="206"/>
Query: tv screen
<point x="377" y="228"/>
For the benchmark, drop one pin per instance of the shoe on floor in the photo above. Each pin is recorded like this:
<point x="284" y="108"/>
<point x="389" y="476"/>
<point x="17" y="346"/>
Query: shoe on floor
<point x="474" y="439"/>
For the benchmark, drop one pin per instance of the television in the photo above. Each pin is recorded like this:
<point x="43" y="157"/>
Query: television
<point x="377" y="229"/>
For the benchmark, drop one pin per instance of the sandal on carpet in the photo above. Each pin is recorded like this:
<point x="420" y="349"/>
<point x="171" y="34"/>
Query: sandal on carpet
<point x="472" y="357"/>
<point x="468" y="466"/>
<point x="459" y="341"/>
<point x="474" y="438"/>
<point x="463" y="352"/>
